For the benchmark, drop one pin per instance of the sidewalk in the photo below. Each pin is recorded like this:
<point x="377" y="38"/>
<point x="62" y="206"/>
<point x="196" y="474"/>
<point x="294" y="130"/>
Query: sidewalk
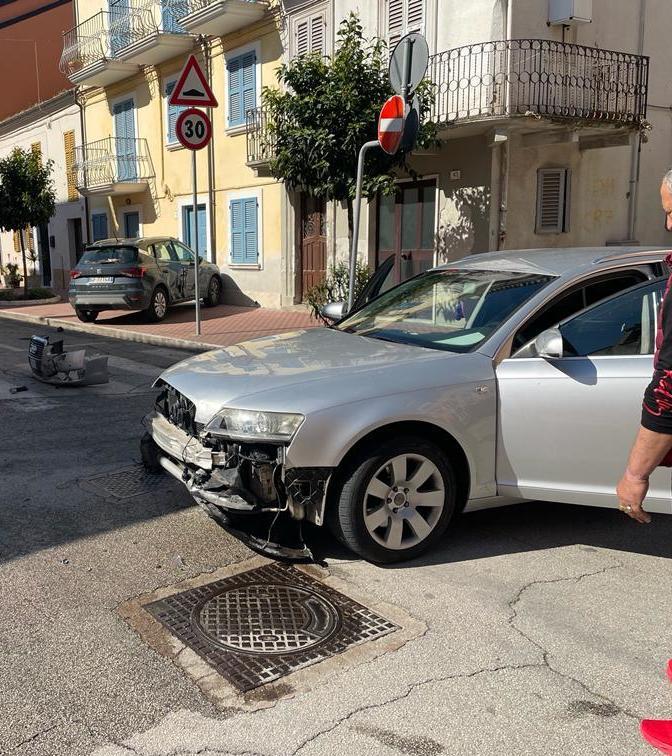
<point x="220" y="326"/>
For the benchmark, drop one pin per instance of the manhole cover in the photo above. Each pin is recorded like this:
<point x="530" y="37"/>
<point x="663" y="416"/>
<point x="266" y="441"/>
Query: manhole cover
<point x="267" y="619"/>
<point x="129" y="482"/>
<point x="260" y="625"/>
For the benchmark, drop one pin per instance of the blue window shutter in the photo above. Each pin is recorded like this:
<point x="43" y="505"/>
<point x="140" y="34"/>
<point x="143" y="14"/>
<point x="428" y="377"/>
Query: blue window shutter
<point x="251" y="234"/>
<point x="249" y="80"/>
<point x="236" y="113"/>
<point x="173" y="112"/>
<point x="237" y="232"/>
<point x="124" y="129"/>
<point x="202" y="232"/>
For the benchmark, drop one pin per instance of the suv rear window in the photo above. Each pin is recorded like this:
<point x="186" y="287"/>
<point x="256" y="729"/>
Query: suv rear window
<point x="109" y="255"/>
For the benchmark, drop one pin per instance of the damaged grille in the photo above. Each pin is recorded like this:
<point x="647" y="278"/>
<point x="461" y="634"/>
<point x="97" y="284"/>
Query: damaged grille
<point x="178" y="410"/>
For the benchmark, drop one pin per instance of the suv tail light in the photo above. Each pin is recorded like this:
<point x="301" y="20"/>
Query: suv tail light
<point x="75" y="274"/>
<point x="135" y="272"/>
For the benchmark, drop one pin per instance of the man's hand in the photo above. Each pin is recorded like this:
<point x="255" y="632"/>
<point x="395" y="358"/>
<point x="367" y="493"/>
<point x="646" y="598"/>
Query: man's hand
<point x="631" y="491"/>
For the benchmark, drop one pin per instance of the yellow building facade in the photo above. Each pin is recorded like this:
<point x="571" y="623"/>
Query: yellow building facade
<point x="136" y="176"/>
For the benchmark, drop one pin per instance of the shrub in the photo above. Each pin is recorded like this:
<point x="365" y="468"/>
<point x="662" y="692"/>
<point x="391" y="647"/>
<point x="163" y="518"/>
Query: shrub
<point x="40" y="293"/>
<point x="6" y="295"/>
<point x="335" y="286"/>
<point x="11" y="273"/>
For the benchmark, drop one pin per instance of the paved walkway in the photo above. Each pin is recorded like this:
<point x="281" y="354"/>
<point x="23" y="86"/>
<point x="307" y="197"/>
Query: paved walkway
<point x="220" y="326"/>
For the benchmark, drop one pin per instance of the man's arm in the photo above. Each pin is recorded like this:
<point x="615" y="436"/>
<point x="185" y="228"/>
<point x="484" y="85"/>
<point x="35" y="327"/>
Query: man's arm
<point x="649" y="449"/>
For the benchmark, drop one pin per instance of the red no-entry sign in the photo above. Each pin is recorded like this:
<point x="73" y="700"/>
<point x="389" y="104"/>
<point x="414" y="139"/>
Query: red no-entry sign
<point x="391" y="124"/>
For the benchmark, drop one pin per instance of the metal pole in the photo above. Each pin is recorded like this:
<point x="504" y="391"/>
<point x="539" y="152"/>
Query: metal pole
<point x="355" y="221"/>
<point x="408" y="57"/>
<point x="194" y="218"/>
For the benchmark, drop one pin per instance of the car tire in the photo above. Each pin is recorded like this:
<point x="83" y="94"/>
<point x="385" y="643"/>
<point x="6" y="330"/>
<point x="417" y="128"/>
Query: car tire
<point x="158" y="305"/>
<point x="408" y="519"/>
<point x="214" y="292"/>
<point x="86" y="316"/>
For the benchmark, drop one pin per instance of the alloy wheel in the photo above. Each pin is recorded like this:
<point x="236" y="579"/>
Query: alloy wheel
<point x="404" y="501"/>
<point x="160" y="304"/>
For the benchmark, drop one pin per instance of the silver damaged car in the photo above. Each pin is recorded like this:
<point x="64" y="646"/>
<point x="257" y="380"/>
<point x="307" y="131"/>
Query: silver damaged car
<point x="498" y="378"/>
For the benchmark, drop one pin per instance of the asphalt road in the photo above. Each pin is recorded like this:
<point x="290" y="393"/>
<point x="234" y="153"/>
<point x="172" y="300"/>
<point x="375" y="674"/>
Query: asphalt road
<point x="547" y="627"/>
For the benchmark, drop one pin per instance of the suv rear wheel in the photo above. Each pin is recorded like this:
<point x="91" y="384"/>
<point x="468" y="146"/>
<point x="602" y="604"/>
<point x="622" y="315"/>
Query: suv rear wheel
<point x="213" y="293"/>
<point x="86" y="316"/>
<point x="158" y="305"/>
<point x="395" y="502"/>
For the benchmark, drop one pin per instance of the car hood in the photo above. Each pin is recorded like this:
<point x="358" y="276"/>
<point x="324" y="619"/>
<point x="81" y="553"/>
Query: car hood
<point x="308" y="370"/>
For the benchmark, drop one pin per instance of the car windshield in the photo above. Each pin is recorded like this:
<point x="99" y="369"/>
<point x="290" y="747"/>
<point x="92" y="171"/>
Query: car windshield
<point x="109" y="255"/>
<point x="453" y="310"/>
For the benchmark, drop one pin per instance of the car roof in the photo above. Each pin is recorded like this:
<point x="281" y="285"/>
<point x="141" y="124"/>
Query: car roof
<point x="557" y="261"/>
<point x="138" y="241"/>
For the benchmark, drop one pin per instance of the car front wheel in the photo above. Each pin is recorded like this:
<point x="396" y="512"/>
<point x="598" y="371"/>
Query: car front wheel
<point x="86" y="316"/>
<point x="213" y="293"/>
<point x="395" y="502"/>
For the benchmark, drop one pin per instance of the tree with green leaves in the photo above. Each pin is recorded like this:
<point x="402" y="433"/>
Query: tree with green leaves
<point x="27" y="196"/>
<point x="326" y="110"/>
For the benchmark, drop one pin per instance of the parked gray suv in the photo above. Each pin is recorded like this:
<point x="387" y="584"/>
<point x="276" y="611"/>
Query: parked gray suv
<point x="149" y="274"/>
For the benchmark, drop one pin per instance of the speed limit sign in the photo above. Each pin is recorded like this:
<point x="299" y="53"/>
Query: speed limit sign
<point x="193" y="129"/>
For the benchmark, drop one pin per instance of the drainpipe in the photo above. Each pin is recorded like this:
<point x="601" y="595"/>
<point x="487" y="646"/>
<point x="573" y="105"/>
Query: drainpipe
<point x="501" y="162"/>
<point x="636" y="149"/>
<point x="82" y="124"/>
<point x="207" y="55"/>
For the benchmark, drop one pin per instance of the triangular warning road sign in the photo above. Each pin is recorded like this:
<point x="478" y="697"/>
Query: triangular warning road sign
<point x="192" y="88"/>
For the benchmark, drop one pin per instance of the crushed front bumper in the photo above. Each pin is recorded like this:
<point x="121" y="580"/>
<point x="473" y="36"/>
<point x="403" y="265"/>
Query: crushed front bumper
<point x="248" y="490"/>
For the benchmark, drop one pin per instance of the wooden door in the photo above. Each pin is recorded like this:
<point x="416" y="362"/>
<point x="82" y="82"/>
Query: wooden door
<point x="313" y="243"/>
<point x="406" y="228"/>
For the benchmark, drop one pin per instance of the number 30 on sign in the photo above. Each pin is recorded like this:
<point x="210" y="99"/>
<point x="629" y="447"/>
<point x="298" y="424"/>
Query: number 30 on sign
<point x="193" y="129"/>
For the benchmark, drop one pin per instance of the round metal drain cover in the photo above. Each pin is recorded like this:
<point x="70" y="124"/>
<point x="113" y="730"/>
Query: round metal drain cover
<point x="265" y="618"/>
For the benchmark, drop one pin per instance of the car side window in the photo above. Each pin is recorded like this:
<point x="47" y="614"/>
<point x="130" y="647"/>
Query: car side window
<point x="573" y="302"/>
<point x="164" y="251"/>
<point x="622" y="325"/>
<point x="184" y="254"/>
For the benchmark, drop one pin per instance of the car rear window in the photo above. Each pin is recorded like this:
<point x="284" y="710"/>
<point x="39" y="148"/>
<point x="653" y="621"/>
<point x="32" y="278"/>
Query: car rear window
<point x="109" y="255"/>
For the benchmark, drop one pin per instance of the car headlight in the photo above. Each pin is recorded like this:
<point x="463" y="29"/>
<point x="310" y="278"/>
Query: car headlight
<point x="249" y="425"/>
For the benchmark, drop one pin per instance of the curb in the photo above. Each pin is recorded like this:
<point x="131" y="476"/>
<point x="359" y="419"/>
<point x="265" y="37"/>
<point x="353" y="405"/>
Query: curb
<point x="9" y="304"/>
<point x="113" y="333"/>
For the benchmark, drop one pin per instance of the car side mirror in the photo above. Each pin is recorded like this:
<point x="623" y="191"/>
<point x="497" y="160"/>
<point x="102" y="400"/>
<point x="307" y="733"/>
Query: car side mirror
<point x="333" y="311"/>
<point x="549" y="344"/>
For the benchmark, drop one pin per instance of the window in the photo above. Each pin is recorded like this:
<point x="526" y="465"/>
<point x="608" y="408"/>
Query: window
<point x="244" y="233"/>
<point x="70" y="173"/>
<point x="242" y="83"/>
<point x="403" y="16"/>
<point x="310" y="33"/>
<point x="164" y="251"/>
<point x="188" y="228"/>
<point x="552" y="201"/>
<point x="99" y="226"/>
<point x="622" y="325"/>
<point x="172" y="112"/>
<point x="573" y="301"/>
<point x="184" y="254"/>
<point x="36" y="149"/>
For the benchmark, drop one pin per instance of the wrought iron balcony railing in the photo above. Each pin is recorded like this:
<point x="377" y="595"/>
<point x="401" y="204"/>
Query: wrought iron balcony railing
<point x="550" y="79"/>
<point x="260" y="138"/>
<point x="86" y="43"/>
<point x="134" y="20"/>
<point x="520" y="77"/>
<point x="112" y="161"/>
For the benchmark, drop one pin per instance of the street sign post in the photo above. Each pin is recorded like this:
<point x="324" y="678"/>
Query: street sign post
<point x="193" y="130"/>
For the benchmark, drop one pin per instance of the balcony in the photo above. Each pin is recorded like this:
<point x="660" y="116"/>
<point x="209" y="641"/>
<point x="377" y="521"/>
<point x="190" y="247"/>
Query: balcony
<point x="113" y="166"/>
<point x="220" y="17"/>
<point x="530" y="82"/>
<point x="538" y="79"/>
<point x="147" y="32"/>
<point x="87" y="56"/>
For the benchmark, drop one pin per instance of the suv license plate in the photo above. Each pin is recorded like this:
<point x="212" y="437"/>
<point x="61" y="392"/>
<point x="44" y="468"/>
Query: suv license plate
<point x="102" y="280"/>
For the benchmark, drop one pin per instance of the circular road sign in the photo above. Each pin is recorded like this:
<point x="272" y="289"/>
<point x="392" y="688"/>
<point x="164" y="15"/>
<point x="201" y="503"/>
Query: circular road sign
<point x="193" y="129"/>
<point x="419" y="52"/>
<point x="391" y="124"/>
